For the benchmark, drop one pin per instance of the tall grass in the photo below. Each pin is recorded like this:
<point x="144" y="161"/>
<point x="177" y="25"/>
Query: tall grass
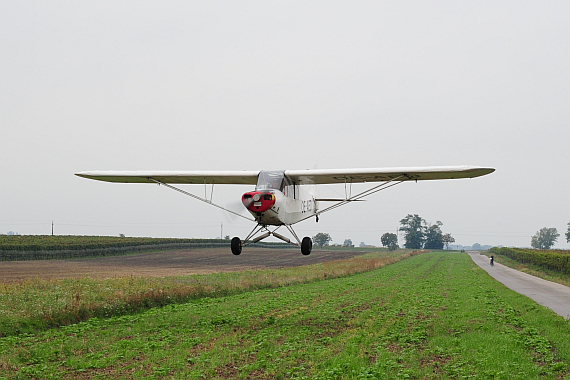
<point x="34" y="305"/>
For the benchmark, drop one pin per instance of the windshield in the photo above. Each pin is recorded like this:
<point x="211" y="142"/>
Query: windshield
<point x="270" y="180"/>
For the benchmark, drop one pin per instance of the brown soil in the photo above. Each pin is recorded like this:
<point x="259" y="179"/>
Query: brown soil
<point x="168" y="263"/>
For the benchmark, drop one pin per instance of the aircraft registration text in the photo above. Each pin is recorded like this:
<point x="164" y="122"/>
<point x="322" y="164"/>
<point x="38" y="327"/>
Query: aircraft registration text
<point x="307" y="206"/>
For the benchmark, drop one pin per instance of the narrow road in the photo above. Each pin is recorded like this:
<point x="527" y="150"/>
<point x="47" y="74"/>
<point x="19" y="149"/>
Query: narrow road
<point x="546" y="293"/>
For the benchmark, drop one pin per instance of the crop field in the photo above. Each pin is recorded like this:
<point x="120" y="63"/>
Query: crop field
<point x="61" y="242"/>
<point x="37" y="303"/>
<point x="43" y="247"/>
<point x="168" y="263"/>
<point x="430" y="316"/>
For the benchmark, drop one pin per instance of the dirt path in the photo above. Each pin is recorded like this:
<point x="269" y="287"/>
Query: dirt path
<point x="550" y="294"/>
<point x="168" y="263"/>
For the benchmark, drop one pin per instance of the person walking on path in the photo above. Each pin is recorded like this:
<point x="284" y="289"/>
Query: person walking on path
<point x="552" y="295"/>
<point x="492" y="260"/>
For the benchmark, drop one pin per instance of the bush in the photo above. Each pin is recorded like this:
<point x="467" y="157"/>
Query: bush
<point x="556" y="260"/>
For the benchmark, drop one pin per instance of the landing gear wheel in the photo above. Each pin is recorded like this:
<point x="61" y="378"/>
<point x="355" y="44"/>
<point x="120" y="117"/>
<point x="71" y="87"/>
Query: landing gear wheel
<point x="306" y="246"/>
<point x="236" y="246"/>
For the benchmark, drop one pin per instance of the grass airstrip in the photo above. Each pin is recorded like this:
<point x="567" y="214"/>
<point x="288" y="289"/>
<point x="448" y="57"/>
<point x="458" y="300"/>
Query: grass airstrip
<point x="432" y="315"/>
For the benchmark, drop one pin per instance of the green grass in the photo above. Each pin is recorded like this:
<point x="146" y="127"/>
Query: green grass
<point x="34" y="305"/>
<point x="435" y="315"/>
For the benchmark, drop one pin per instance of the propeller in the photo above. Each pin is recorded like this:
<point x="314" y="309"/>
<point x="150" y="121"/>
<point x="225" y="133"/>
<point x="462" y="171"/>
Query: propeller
<point x="235" y="206"/>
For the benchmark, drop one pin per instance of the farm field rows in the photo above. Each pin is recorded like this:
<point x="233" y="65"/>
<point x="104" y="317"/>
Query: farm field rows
<point x="42" y="247"/>
<point x="434" y="315"/>
<point x="168" y="263"/>
<point x="62" y="242"/>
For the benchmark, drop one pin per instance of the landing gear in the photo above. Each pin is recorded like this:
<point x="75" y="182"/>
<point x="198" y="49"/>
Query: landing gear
<point x="236" y="246"/>
<point x="306" y="246"/>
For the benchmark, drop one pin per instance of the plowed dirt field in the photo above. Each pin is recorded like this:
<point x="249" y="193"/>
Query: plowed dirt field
<point x="168" y="263"/>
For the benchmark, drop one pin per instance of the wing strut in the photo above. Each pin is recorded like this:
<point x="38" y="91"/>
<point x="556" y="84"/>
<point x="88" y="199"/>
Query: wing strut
<point x="383" y="186"/>
<point x="199" y="198"/>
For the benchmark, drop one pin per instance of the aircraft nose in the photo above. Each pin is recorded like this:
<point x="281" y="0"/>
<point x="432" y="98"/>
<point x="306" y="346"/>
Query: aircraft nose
<point x="258" y="201"/>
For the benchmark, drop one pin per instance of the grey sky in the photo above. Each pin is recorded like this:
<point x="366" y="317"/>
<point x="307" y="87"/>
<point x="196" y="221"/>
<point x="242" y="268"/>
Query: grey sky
<point x="285" y="85"/>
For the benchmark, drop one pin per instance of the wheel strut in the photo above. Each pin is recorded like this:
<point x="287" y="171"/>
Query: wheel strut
<point x="237" y="245"/>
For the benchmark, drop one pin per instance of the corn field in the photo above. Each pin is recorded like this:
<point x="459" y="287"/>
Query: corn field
<point x="45" y="247"/>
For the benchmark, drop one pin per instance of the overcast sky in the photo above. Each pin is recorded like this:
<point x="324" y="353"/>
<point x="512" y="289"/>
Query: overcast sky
<point x="234" y="85"/>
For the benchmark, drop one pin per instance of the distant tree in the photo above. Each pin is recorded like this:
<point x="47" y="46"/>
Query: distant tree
<point x="321" y="239"/>
<point x="227" y="237"/>
<point x="447" y="240"/>
<point x="568" y="234"/>
<point x="413" y="228"/>
<point x="545" y="238"/>
<point x="347" y="243"/>
<point x="476" y="247"/>
<point x="434" y="236"/>
<point x="362" y="244"/>
<point x="389" y="240"/>
<point x="121" y="235"/>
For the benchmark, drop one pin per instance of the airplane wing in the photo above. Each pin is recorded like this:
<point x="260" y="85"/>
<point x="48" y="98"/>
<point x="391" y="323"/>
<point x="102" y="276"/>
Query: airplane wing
<point x="330" y="176"/>
<point x="179" y="177"/>
<point x="301" y="177"/>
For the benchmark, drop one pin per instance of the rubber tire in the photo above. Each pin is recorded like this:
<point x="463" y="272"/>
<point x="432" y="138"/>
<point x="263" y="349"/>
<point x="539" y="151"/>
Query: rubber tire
<point x="306" y="246"/>
<point x="236" y="246"/>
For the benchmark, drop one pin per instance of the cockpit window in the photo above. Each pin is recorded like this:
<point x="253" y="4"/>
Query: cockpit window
<point x="270" y="180"/>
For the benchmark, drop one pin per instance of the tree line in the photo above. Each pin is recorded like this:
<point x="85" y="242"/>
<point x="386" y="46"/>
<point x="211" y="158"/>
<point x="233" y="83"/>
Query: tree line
<point x="418" y="234"/>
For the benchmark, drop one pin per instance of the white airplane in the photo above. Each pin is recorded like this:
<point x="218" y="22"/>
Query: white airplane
<point x="282" y="198"/>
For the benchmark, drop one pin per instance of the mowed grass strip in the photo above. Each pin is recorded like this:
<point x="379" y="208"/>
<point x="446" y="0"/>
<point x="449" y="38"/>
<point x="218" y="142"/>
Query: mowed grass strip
<point x="34" y="305"/>
<point x="432" y="316"/>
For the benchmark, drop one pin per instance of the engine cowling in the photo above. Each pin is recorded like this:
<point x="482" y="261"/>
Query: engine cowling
<point x="258" y="201"/>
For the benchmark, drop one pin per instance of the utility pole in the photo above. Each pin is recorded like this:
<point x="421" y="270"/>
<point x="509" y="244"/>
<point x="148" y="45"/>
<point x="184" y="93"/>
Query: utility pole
<point x="52" y="228"/>
<point x="221" y="231"/>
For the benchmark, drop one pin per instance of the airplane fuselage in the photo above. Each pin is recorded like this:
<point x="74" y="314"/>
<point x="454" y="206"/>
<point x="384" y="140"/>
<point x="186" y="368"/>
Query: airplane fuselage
<point x="275" y="208"/>
<point x="278" y="201"/>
